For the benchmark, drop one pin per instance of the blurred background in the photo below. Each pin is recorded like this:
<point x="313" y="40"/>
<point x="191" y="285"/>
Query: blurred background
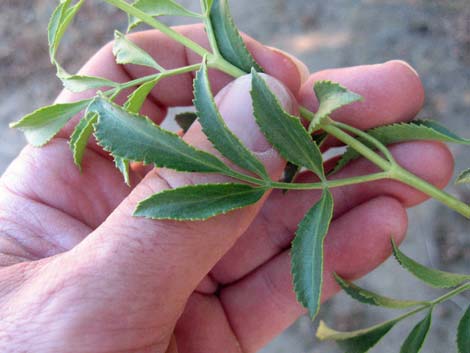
<point x="432" y="35"/>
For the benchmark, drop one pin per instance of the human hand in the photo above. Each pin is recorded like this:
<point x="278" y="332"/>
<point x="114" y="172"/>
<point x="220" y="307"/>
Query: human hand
<point x="80" y="274"/>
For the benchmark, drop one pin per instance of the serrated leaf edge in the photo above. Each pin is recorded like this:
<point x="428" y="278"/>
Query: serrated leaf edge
<point x="167" y="191"/>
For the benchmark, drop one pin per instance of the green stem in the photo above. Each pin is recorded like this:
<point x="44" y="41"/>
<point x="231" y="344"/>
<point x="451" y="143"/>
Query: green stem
<point x="450" y="201"/>
<point x="307" y="186"/>
<point x="145" y="79"/>
<point x="305" y="113"/>
<point x="429" y="304"/>
<point x="399" y="173"/>
<point x="213" y="60"/>
<point x="464" y="287"/>
<point x="379" y="145"/>
<point x="131" y="10"/>
<point x="358" y="146"/>
<point x="210" y="30"/>
<point x="331" y="183"/>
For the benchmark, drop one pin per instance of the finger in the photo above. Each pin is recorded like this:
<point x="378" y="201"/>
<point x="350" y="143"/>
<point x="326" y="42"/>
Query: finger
<point x="272" y="232"/>
<point x="264" y="304"/>
<point x="170" y="258"/>
<point x="392" y="93"/>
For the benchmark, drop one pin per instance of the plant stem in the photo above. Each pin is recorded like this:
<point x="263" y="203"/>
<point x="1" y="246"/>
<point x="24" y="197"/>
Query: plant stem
<point x="210" y="30"/>
<point x="399" y="173"/>
<point x="450" y="201"/>
<point x="379" y="145"/>
<point x="358" y="146"/>
<point x="145" y="79"/>
<point x="331" y="183"/>
<point x="429" y="304"/>
<point x="464" y="287"/>
<point x="131" y="10"/>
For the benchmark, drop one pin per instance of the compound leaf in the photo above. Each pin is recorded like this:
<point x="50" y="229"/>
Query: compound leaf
<point x="464" y="177"/>
<point x="60" y="20"/>
<point x="415" y="340"/>
<point x="80" y="136"/>
<point x="136" y="100"/>
<point x="367" y="297"/>
<point x="158" y="8"/>
<point x="137" y="138"/>
<point x="43" y="124"/>
<point x="331" y="96"/>
<point x="217" y="131"/>
<point x="198" y="202"/>
<point x="126" y="52"/>
<point x="229" y="40"/>
<point x="402" y="132"/>
<point x="284" y="131"/>
<point x="307" y="253"/>
<point x="79" y="83"/>
<point x="360" y="341"/>
<point x="463" y="333"/>
<point x="432" y="277"/>
<point x="185" y="120"/>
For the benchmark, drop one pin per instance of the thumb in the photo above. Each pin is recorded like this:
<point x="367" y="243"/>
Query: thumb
<point x="168" y="259"/>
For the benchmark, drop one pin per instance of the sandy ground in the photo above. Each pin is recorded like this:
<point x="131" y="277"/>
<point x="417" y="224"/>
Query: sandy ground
<point x="433" y="35"/>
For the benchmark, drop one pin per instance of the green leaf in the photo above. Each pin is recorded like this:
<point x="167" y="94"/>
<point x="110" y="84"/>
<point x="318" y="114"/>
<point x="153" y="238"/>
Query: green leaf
<point x="54" y="23"/>
<point x="137" y="98"/>
<point x="331" y="96"/>
<point x="158" y="8"/>
<point x="414" y="342"/>
<point x="229" y="40"/>
<point x="61" y="18"/>
<point x="217" y="131"/>
<point x="80" y="137"/>
<point x="464" y="177"/>
<point x="185" y="120"/>
<point x="307" y="253"/>
<point x="368" y="297"/>
<point x="463" y="333"/>
<point x="43" y="124"/>
<point x="79" y="83"/>
<point x="123" y="166"/>
<point x="402" y="132"/>
<point x="432" y="277"/>
<point x="284" y="131"/>
<point x="137" y="138"/>
<point x="198" y="202"/>
<point x="126" y="52"/>
<point x="360" y="341"/>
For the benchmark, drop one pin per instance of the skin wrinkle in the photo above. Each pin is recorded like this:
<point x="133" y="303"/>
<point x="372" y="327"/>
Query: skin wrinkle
<point x="230" y="325"/>
<point x="70" y="187"/>
<point x="34" y="232"/>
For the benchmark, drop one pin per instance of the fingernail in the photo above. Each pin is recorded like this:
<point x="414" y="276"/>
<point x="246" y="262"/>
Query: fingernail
<point x="303" y="70"/>
<point x="235" y="106"/>
<point x="404" y="63"/>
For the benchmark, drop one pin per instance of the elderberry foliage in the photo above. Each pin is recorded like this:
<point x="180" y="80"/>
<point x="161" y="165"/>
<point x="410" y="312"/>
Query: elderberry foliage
<point x="129" y="136"/>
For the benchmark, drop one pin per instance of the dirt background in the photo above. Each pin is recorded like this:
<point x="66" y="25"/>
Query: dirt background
<point x="433" y="35"/>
